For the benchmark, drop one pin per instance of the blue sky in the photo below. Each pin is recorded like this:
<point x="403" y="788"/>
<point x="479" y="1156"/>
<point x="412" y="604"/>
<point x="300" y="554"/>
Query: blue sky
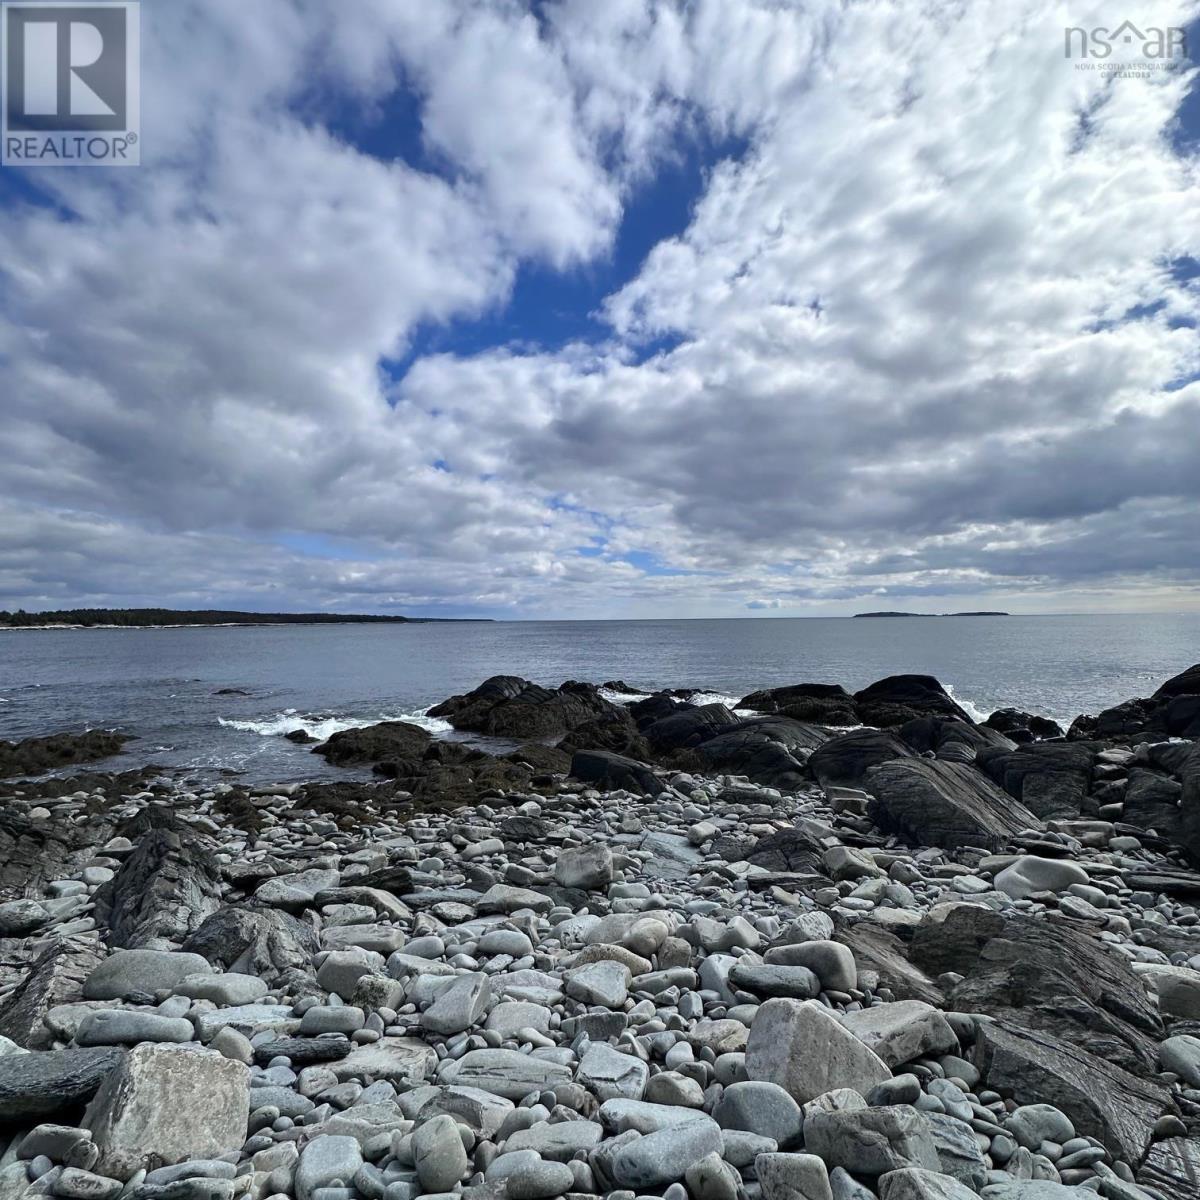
<point x="649" y="309"/>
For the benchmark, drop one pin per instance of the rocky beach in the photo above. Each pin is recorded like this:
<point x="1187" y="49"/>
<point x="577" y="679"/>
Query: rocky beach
<point x="825" y="946"/>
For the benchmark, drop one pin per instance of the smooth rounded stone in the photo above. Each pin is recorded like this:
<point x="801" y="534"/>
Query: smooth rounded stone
<point x="503" y="898"/>
<point x="331" y="1018"/>
<point x="589" y="868"/>
<point x="958" y="1150"/>
<point x="303" y="1051"/>
<point x="757" y="1106"/>
<point x="56" y="1142"/>
<point x="506" y="1073"/>
<point x="504" y="941"/>
<point x="845" y="1187"/>
<point x="726" y="1036"/>
<point x="429" y="947"/>
<point x="503" y="1165"/>
<point x="248" y="1018"/>
<point x="1030" y="875"/>
<point x="1035" y="1189"/>
<point x="147" y="971"/>
<point x="872" y="1141"/>
<point x="1181" y="1054"/>
<point x="831" y="962"/>
<point x="640" y="933"/>
<point x="607" y="952"/>
<point x="439" y="1154"/>
<point x="76" y="1184"/>
<point x="342" y="969"/>
<point x="913" y="1183"/>
<point x="1179" y="995"/>
<point x="383" y="939"/>
<point x="226" y="989"/>
<point x="510" y="1017"/>
<point x="1033" y="1124"/>
<point x="903" y="1089"/>
<point x="324" y="1160"/>
<point x="559" y="1140"/>
<point x="539" y="1181"/>
<point x="776" y="979"/>
<point x="671" y="1088"/>
<point x="297" y="890"/>
<point x="792" y="1177"/>
<point x="123" y="1027"/>
<point x="604" y="983"/>
<point x="805" y="1050"/>
<point x="610" y="1075"/>
<point x="463" y="1004"/>
<point x="712" y="1179"/>
<point x="661" y="1158"/>
<point x="902" y="1031"/>
<point x="199" y="1168"/>
<point x="812" y="926"/>
<point x="742" y="1148"/>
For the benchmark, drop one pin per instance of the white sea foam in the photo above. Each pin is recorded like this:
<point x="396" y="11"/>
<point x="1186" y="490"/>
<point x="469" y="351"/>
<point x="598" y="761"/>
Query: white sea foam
<point x="323" y="727"/>
<point x="977" y="714"/>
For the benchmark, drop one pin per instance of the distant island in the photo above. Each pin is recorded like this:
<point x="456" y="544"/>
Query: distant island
<point x="980" y="613"/>
<point x="150" y="618"/>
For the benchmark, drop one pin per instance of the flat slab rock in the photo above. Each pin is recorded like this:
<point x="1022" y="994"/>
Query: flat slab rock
<point x="44" y="1084"/>
<point x="1173" y="1168"/>
<point x="949" y="804"/>
<point x="1102" y="1100"/>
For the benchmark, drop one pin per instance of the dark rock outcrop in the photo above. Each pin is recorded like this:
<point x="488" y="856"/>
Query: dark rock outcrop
<point x="610" y="772"/>
<point x="510" y="707"/>
<point x="918" y="694"/>
<point x="34" y="755"/>
<point x="255" y="939"/>
<point x="162" y="892"/>
<point x="1055" y="977"/>
<point x="1050" y="779"/>
<point x="386" y="742"/>
<point x="46" y="1084"/>
<point x="1023" y="727"/>
<point x="819" y="703"/>
<point x="950" y="738"/>
<point x="1102" y="1100"/>
<point x="844" y="761"/>
<point x="932" y="803"/>
<point x="687" y="728"/>
<point x="56" y="977"/>
<point x="769" y="750"/>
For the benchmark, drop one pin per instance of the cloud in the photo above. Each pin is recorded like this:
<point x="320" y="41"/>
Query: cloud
<point x="923" y="335"/>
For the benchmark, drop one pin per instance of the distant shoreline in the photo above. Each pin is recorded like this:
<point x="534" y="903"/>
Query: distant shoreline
<point x="981" y="613"/>
<point x="167" y="618"/>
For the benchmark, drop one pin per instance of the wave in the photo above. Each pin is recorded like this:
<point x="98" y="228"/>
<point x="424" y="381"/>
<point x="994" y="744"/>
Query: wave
<point x="977" y="714"/>
<point x="323" y="726"/>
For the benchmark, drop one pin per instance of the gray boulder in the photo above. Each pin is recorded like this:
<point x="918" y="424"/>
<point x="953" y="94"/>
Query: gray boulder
<point x="804" y="1049"/>
<point x="872" y="1141"/>
<point x="149" y="1112"/>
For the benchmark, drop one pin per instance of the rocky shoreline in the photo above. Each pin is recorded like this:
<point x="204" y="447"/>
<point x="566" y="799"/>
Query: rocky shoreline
<point x="851" y="947"/>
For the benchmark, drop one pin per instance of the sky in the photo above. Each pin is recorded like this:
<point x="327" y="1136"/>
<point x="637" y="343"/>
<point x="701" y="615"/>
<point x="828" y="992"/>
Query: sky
<point x="643" y="308"/>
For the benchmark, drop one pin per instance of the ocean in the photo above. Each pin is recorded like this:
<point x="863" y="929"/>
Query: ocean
<point x="221" y="699"/>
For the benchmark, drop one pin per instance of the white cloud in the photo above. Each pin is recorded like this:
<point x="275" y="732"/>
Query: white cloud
<point x="928" y="337"/>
